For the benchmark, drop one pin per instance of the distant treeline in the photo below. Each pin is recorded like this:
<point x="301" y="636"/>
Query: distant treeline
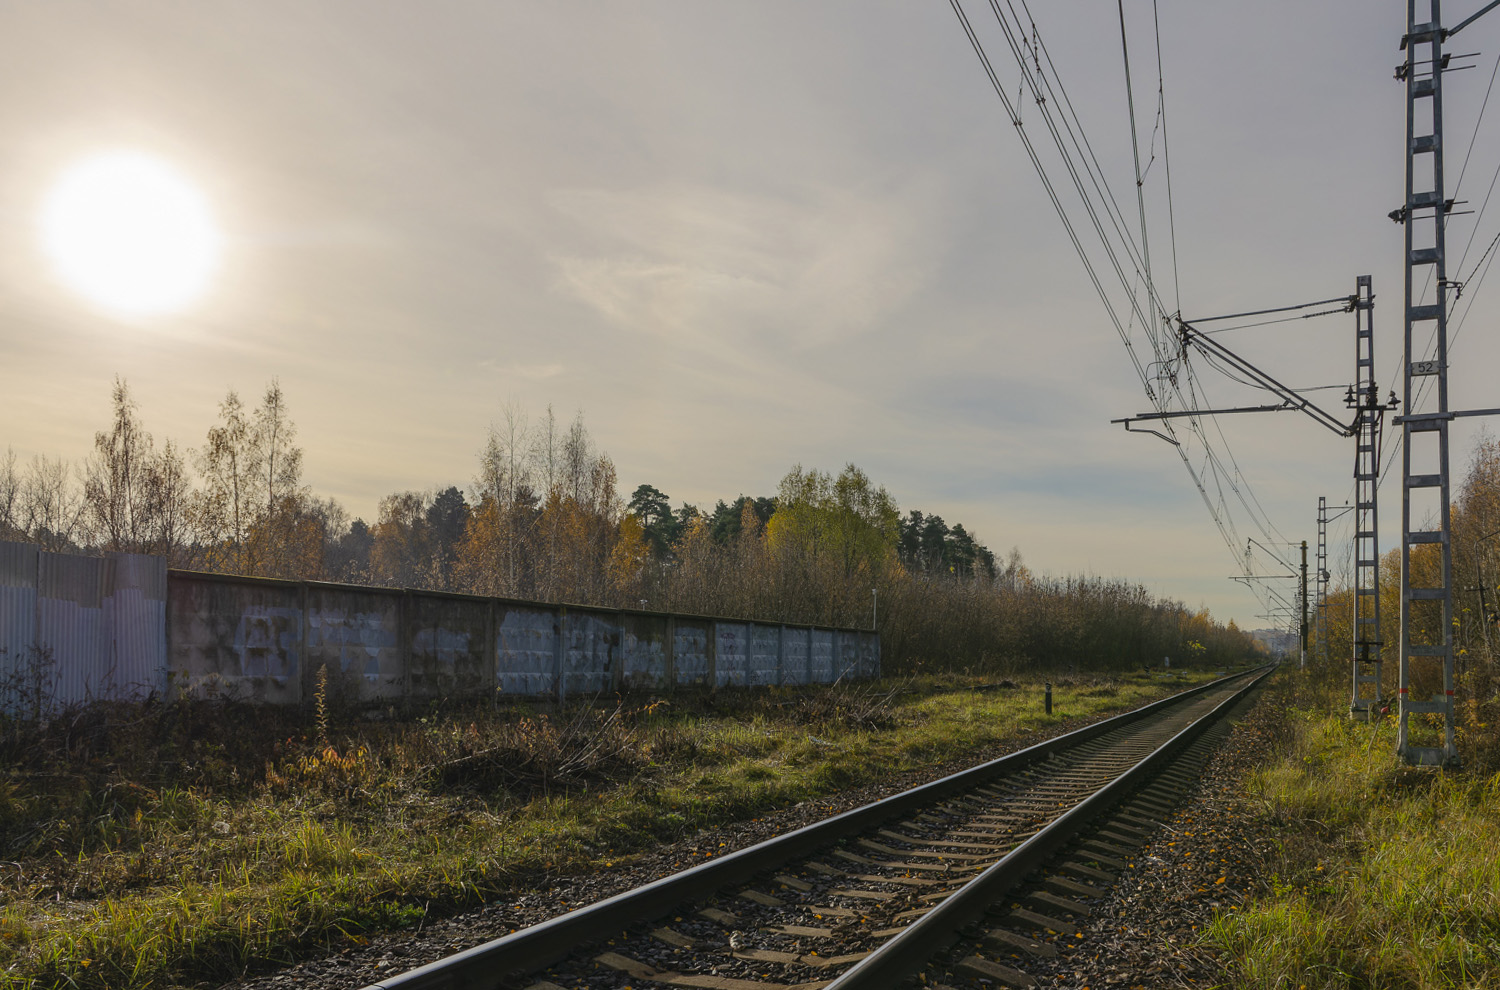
<point x="543" y="519"/>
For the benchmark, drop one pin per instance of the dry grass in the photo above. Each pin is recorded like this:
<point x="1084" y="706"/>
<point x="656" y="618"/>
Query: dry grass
<point x="1386" y="875"/>
<point x="165" y="845"/>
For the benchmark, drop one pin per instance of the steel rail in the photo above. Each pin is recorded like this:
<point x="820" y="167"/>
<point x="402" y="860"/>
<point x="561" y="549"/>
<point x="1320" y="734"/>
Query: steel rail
<point x="484" y="966"/>
<point x="906" y="953"/>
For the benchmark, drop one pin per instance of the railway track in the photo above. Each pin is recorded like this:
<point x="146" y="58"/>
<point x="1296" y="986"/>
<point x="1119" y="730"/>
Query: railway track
<point x="970" y="876"/>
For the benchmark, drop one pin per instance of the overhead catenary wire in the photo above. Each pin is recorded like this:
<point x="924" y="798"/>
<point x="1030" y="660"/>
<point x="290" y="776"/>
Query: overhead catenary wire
<point x="1166" y="156"/>
<point x="1169" y="380"/>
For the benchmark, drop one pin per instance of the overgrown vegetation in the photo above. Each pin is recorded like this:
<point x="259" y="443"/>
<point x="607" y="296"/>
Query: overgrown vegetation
<point x="1385" y="875"/>
<point x="166" y="844"/>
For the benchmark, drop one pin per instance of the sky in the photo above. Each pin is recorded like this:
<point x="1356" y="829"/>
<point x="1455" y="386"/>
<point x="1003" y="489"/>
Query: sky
<point x="735" y="238"/>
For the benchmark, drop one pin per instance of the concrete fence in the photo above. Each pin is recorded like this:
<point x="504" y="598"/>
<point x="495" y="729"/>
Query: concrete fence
<point x="125" y="625"/>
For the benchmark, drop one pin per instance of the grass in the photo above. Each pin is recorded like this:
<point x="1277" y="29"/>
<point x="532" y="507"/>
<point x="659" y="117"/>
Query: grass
<point x="1385" y="875"/>
<point x="165" y="846"/>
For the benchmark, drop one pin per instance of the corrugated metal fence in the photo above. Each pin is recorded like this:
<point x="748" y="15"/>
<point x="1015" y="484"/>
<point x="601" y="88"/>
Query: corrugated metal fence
<point x="75" y="629"/>
<point x="123" y="625"/>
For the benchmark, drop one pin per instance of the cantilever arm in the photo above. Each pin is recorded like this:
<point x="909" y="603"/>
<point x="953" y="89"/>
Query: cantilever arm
<point x="1473" y="17"/>
<point x="1290" y="399"/>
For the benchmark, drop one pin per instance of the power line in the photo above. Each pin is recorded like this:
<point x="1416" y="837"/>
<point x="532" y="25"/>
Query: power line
<point x="1169" y="381"/>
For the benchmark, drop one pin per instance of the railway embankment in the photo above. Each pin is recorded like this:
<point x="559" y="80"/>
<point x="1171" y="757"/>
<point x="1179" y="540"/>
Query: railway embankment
<point x="190" y="844"/>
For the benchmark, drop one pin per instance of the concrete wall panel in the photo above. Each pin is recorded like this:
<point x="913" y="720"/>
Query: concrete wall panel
<point x="691" y="652"/>
<point x="820" y="669"/>
<point x="869" y="656"/>
<point x="236" y="640"/>
<point x="449" y="652"/>
<point x="731" y="654"/>
<point x="357" y="635"/>
<point x="794" y="655"/>
<point x="591" y="653"/>
<point x="763" y="662"/>
<point x="645" y="652"/>
<point x="526" y="652"/>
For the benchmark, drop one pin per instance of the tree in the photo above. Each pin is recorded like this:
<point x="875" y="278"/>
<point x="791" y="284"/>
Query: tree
<point x="348" y="556"/>
<point x="447" y="519"/>
<point x="10" y="498"/>
<point x="725" y="523"/>
<point x="224" y="511"/>
<point x="136" y="498"/>
<point x="279" y="494"/>
<point x="659" y="527"/>
<point x="627" y="559"/>
<point x="52" y="509"/>
<point x="401" y="553"/>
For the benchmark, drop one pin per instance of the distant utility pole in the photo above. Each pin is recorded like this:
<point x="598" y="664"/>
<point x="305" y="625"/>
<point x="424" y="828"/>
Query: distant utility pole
<point x="1302" y="596"/>
<point x="1320" y="603"/>
<point x="1427" y="597"/>
<point x="1369" y="423"/>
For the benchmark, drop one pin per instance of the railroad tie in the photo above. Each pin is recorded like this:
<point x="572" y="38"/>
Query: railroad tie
<point x="703" y="981"/>
<point x="1033" y="920"/>
<point x="1084" y="870"/>
<point x="671" y="937"/>
<point x="1069" y="886"/>
<point x="759" y="897"/>
<point x="1050" y="901"/>
<point x="722" y="917"/>
<point x="983" y="968"/>
<point x="1010" y="940"/>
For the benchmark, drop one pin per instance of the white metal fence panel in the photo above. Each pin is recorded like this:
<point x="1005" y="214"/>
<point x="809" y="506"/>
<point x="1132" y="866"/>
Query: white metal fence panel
<point x="136" y="616"/>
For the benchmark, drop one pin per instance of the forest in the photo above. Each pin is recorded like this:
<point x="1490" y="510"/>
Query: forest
<point x="544" y="518"/>
<point x="1475" y="522"/>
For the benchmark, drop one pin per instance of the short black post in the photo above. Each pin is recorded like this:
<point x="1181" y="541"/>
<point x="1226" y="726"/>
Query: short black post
<point x="1049" y="697"/>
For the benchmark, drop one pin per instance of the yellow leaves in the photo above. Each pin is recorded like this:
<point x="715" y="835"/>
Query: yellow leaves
<point x="629" y="555"/>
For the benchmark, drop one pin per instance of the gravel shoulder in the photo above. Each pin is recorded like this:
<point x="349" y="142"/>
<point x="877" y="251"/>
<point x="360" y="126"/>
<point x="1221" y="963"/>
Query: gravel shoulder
<point x="1206" y="858"/>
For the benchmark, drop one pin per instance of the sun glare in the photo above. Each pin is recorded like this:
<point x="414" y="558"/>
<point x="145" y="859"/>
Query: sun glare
<point x="131" y="234"/>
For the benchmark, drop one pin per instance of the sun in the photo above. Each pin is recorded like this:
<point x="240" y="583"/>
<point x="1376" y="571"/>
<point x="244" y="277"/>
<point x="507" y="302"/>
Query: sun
<point x="131" y="234"/>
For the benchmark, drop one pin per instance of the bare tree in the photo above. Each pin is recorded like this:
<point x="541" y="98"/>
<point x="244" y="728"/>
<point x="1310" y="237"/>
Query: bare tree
<point x="117" y="479"/>
<point x="279" y="493"/>
<point x="10" y="497"/>
<point x="224" y="513"/>
<point x="52" y="506"/>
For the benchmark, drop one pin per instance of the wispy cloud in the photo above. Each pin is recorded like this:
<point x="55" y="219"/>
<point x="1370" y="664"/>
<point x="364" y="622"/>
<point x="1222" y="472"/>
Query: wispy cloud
<point x="718" y="270"/>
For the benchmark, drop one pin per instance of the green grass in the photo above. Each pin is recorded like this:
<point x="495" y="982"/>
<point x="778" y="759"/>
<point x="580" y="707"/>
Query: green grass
<point x="131" y="872"/>
<point x="1385" y="875"/>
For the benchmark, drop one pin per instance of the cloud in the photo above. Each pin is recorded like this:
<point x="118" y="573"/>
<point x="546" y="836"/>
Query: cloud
<point x="717" y="269"/>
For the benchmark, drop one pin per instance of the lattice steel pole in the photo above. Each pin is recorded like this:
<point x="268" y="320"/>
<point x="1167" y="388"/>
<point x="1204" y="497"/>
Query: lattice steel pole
<point x="1426" y="533"/>
<point x="1321" y="613"/>
<point x="1364" y="397"/>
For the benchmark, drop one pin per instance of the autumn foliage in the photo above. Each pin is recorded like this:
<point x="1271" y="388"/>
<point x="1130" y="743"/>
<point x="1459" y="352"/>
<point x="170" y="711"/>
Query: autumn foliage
<point x="544" y="519"/>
